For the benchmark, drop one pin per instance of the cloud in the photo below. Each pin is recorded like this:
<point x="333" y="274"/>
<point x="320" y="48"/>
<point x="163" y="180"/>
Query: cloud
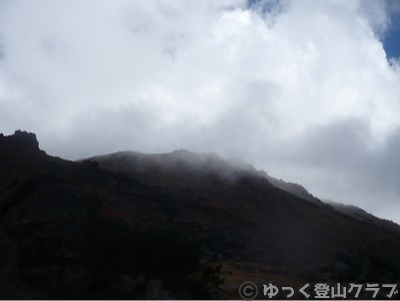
<point x="376" y="12"/>
<point x="342" y="159"/>
<point x="301" y="89"/>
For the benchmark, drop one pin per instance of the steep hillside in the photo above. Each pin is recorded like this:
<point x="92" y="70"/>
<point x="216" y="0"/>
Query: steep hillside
<point x="169" y="226"/>
<point x="282" y="229"/>
<point x="183" y="168"/>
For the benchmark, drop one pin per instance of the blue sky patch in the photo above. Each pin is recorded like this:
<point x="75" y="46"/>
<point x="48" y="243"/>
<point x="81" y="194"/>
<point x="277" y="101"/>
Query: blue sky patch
<point x="391" y="42"/>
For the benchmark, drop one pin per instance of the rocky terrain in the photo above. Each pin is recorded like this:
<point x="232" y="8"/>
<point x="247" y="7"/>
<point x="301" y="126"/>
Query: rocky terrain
<point x="172" y="226"/>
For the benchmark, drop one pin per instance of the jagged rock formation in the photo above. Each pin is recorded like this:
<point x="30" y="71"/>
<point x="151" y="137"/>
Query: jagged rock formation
<point x="20" y="139"/>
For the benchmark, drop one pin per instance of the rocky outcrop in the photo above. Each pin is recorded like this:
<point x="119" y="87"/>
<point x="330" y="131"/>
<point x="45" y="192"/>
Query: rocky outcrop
<point x="20" y="139"/>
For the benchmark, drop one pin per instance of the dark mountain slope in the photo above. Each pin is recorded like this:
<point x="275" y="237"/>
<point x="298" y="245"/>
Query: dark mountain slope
<point x="300" y="191"/>
<point x="271" y="226"/>
<point x="183" y="168"/>
<point x="69" y="231"/>
<point x="159" y="226"/>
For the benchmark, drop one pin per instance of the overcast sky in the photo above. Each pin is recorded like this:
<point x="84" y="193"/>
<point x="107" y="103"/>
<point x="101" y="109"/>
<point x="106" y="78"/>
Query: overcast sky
<point x="307" y="90"/>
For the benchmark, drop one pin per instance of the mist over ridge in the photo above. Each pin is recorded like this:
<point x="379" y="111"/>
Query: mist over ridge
<point x="308" y="91"/>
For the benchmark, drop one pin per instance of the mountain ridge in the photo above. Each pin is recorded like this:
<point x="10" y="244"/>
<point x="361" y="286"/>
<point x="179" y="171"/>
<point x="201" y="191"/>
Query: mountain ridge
<point x="125" y="228"/>
<point x="229" y="169"/>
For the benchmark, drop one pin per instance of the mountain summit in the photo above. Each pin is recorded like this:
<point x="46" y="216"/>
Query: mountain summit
<point x="20" y="139"/>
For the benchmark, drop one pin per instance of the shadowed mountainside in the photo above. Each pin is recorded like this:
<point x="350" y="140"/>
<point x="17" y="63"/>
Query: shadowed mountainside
<point x="182" y="166"/>
<point x="170" y="226"/>
<point x="286" y="228"/>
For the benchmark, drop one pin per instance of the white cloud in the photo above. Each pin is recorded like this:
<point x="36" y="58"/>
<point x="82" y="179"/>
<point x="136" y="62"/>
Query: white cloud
<point x="301" y="88"/>
<point x="377" y="15"/>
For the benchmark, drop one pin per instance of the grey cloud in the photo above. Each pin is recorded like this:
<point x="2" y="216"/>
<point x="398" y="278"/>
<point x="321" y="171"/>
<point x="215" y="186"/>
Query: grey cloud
<point x="97" y="130"/>
<point x="342" y="164"/>
<point x="375" y="12"/>
<point x="340" y="144"/>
